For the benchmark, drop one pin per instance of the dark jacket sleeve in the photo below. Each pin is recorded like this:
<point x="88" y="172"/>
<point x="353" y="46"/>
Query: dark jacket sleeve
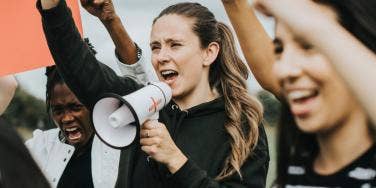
<point x="84" y="74"/>
<point x="254" y="171"/>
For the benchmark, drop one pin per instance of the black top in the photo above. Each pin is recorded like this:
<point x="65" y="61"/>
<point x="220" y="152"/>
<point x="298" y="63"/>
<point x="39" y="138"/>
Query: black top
<point x="360" y="173"/>
<point x="77" y="173"/>
<point x="198" y="132"/>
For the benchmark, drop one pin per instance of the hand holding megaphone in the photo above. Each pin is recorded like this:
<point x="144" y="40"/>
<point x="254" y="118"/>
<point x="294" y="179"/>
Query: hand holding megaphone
<point x="157" y="143"/>
<point x="117" y="119"/>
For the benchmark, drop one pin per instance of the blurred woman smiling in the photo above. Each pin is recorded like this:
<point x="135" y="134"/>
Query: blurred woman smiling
<point x="325" y="136"/>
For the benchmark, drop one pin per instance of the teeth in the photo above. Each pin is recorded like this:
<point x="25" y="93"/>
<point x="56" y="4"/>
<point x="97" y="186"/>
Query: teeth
<point x="71" y="129"/>
<point x="167" y="72"/>
<point x="294" y="95"/>
<point x="75" y="136"/>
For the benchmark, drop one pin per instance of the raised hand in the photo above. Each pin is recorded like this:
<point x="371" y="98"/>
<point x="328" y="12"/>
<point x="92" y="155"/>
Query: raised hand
<point x="103" y="9"/>
<point x="158" y="144"/>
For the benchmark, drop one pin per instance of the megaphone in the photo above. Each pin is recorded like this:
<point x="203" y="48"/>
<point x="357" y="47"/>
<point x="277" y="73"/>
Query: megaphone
<point x="117" y="119"/>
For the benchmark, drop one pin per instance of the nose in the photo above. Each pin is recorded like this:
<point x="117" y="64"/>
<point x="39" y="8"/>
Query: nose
<point x="163" y="56"/>
<point x="67" y="117"/>
<point x="288" y="67"/>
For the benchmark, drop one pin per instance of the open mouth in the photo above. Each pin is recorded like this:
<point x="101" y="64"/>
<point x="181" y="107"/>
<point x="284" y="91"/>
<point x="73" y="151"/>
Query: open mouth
<point x="73" y="133"/>
<point x="302" y="96"/>
<point x="303" y="102"/>
<point x="169" y="75"/>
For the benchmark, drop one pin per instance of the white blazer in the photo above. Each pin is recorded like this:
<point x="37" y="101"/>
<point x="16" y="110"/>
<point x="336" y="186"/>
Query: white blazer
<point x="52" y="156"/>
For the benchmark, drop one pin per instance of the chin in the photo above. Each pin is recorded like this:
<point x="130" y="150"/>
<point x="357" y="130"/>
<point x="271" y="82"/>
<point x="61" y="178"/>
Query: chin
<point x="176" y="93"/>
<point x="309" y="125"/>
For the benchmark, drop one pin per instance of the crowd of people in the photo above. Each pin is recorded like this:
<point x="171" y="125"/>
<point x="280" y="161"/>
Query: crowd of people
<point x="321" y="65"/>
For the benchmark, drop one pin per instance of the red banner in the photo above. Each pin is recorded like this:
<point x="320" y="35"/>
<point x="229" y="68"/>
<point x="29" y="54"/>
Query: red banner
<point x="23" y="45"/>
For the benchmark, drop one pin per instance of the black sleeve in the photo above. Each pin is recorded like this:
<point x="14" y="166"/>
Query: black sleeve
<point x="254" y="171"/>
<point x="84" y="74"/>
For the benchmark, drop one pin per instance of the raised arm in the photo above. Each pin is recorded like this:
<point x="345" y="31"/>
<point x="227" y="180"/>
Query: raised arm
<point x="354" y="62"/>
<point x="104" y="10"/>
<point x="131" y="61"/>
<point x="84" y="74"/>
<point x="256" y="45"/>
<point x="8" y="85"/>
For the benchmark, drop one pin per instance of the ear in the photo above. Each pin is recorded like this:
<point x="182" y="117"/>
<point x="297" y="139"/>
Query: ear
<point x="211" y="53"/>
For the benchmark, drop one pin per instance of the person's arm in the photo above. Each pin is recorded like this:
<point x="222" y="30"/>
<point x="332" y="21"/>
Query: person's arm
<point x="354" y="62"/>
<point x="131" y="61"/>
<point x="83" y="73"/>
<point x="104" y="10"/>
<point x="8" y="86"/>
<point x="139" y="71"/>
<point x="256" y="45"/>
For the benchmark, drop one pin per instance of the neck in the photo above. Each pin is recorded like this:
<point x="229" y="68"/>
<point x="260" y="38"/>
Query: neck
<point x="200" y="94"/>
<point x="79" y="150"/>
<point x="341" y="146"/>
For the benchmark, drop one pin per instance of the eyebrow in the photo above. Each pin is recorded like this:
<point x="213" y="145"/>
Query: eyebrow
<point x="58" y="106"/>
<point x="169" y="40"/>
<point x="299" y="39"/>
<point x="69" y="104"/>
<point x="154" y="43"/>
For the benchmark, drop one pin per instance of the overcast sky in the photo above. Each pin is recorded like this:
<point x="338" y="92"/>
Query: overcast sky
<point x="137" y="16"/>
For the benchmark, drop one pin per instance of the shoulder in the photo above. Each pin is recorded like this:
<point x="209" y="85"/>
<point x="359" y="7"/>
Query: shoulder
<point x="48" y="133"/>
<point x="43" y="137"/>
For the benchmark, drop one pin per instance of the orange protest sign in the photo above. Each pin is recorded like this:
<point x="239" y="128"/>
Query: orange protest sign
<point x="23" y="45"/>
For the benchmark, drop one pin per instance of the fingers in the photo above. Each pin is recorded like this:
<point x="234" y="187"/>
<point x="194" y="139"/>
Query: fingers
<point x="148" y="133"/>
<point x="151" y="124"/>
<point x="150" y="150"/>
<point x="151" y="141"/>
<point x="152" y="133"/>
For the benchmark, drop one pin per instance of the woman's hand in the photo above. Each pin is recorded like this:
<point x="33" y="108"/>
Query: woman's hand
<point x="103" y="9"/>
<point x="158" y="144"/>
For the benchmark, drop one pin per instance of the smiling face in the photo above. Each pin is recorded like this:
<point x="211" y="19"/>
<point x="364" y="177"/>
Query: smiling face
<point x="72" y="117"/>
<point x="177" y="55"/>
<point x="318" y="98"/>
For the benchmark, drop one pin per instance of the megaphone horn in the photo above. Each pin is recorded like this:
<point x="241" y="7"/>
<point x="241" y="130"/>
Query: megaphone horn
<point x="117" y="119"/>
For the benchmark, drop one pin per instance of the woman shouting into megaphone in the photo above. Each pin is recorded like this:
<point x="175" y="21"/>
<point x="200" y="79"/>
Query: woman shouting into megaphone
<point x="209" y="135"/>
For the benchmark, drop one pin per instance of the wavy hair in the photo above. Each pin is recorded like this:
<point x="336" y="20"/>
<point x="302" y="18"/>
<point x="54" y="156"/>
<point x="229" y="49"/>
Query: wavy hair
<point x="228" y="75"/>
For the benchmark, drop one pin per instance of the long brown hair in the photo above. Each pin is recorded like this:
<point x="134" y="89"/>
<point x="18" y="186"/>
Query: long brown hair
<point x="228" y="76"/>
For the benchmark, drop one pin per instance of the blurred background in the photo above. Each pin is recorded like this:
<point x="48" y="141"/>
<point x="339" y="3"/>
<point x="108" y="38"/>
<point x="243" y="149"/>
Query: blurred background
<point x="27" y="110"/>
